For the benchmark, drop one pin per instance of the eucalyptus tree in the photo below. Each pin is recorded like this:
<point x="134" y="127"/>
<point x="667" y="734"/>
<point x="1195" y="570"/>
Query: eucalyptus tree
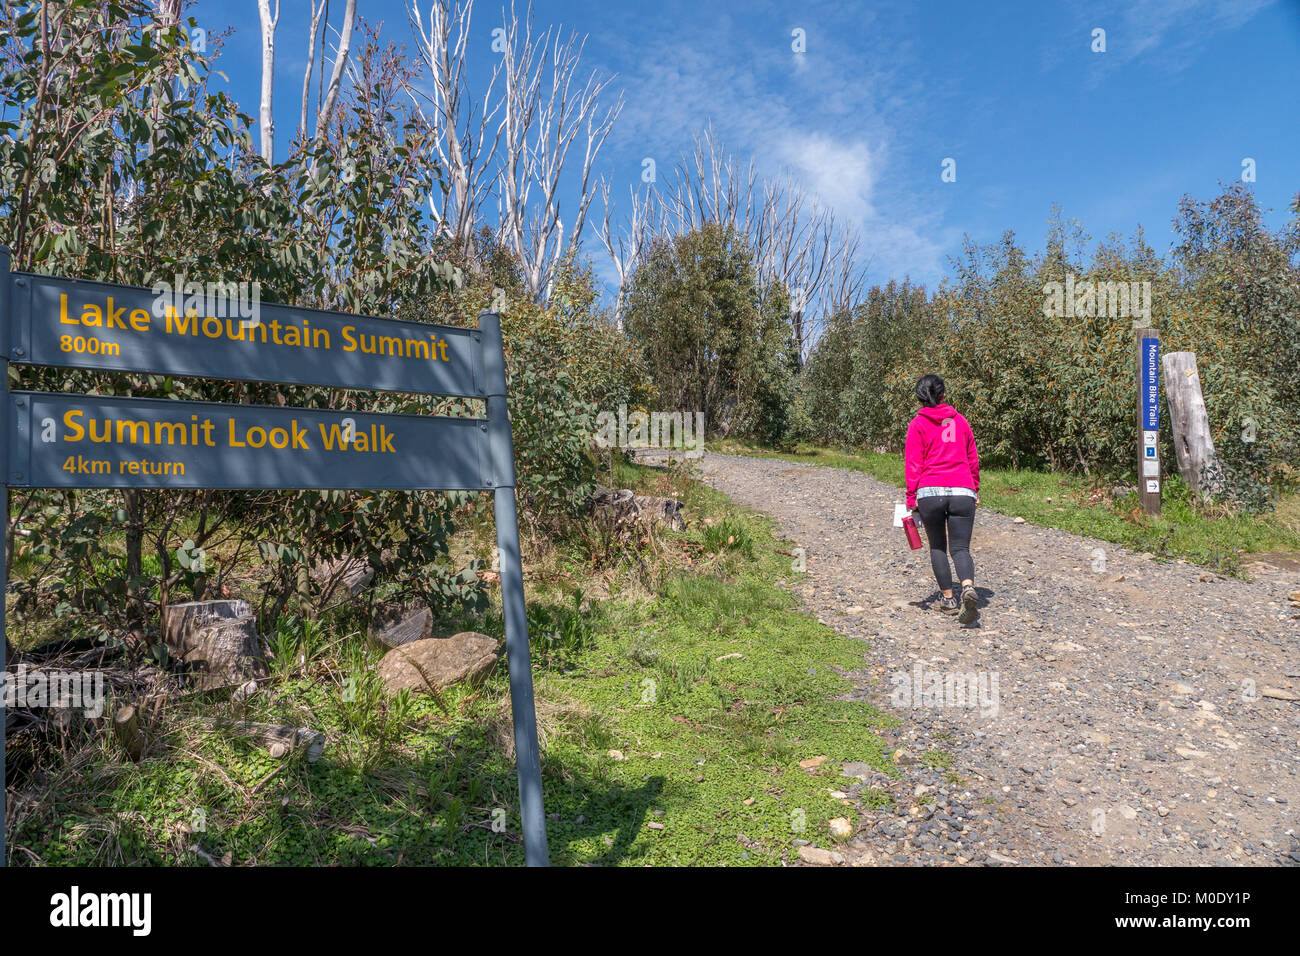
<point x="102" y="179"/>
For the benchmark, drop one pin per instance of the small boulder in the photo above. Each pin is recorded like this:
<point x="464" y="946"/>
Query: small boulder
<point x="438" y="662"/>
<point x="816" y="856"/>
<point x="858" y="769"/>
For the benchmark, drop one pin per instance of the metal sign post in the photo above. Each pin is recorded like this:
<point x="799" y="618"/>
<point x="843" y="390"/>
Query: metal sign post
<point x="1148" y="414"/>
<point x="90" y="441"/>
<point x="4" y="540"/>
<point x="501" y="444"/>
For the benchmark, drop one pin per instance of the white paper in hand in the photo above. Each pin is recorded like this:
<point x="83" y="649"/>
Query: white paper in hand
<point x="900" y="512"/>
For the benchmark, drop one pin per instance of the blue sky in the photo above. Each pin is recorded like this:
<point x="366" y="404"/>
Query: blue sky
<point x="1013" y="92"/>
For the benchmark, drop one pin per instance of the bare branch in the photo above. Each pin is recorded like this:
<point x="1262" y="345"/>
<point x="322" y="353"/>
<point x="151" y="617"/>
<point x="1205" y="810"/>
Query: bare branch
<point x="266" y="127"/>
<point x="336" y="75"/>
<point x="317" y="9"/>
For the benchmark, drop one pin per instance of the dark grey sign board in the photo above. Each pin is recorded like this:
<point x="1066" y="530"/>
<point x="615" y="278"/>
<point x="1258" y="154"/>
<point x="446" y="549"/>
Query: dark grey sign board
<point x="72" y="323"/>
<point x="88" y="441"/>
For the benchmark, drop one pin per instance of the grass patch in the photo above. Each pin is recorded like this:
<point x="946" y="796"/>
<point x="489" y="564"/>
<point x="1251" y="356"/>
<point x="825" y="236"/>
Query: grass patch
<point x="672" y="717"/>
<point x="1073" y="503"/>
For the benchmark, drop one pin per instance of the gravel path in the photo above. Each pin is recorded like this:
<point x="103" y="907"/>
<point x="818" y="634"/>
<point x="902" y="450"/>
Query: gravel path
<point x="1143" y="713"/>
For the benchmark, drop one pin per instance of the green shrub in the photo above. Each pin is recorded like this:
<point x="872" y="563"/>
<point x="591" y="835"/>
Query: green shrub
<point x="1057" y="391"/>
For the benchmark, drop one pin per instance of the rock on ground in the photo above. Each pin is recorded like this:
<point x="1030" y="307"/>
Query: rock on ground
<point x="438" y="662"/>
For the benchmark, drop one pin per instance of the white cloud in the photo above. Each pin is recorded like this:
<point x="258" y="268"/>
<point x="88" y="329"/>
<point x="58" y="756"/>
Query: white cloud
<point x="1171" y="34"/>
<point x="841" y="173"/>
<point x="838" y="118"/>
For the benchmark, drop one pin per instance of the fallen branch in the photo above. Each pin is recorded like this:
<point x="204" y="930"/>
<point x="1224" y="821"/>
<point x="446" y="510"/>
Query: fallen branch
<point x="279" y="740"/>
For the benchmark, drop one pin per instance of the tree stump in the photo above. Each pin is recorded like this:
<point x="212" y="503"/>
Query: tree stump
<point x="345" y="577"/>
<point x="126" y="727"/>
<point x="618" y="505"/>
<point x="625" y="506"/>
<point x="654" y="510"/>
<point x="217" y="642"/>
<point x="1193" y="446"/>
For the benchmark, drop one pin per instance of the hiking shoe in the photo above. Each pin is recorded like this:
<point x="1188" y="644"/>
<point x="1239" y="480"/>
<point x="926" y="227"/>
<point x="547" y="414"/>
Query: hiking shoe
<point x="948" y="605"/>
<point x="970" y="611"/>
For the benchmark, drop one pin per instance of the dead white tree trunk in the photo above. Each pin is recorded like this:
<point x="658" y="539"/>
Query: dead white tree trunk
<point x="845" y="277"/>
<point x="625" y="247"/>
<point x="466" y="133"/>
<point x="538" y="129"/>
<point x="1193" y="446"/>
<point x="168" y="16"/>
<point x="336" y="75"/>
<point x="266" y="125"/>
<point x="318" y="9"/>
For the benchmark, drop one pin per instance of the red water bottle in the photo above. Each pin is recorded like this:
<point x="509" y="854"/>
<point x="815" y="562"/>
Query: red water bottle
<point x="913" y="536"/>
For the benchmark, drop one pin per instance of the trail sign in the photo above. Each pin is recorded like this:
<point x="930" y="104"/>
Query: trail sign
<point x="1148" y="415"/>
<point x="1150" y="383"/>
<point x="85" y="441"/>
<point x="73" y="323"/>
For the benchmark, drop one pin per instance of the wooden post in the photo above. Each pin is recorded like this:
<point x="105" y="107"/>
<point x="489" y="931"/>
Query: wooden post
<point x="1148" y="420"/>
<point x="126" y="727"/>
<point x="1193" y="446"/>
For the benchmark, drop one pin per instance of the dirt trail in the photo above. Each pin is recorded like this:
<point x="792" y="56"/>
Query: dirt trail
<point x="1145" y="713"/>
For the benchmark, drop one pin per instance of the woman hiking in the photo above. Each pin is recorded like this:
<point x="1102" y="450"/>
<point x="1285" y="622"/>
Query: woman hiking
<point x="942" y="467"/>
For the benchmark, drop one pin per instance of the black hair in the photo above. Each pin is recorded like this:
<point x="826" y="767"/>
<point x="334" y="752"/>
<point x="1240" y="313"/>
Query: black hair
<point x="929" y="390"/>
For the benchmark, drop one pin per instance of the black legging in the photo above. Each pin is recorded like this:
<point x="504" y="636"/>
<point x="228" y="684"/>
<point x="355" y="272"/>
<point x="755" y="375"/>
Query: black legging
<point x="949" y="518"/>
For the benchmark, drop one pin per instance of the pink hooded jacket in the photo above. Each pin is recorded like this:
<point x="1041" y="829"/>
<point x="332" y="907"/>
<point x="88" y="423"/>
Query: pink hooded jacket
<point x="940" y="452"/>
